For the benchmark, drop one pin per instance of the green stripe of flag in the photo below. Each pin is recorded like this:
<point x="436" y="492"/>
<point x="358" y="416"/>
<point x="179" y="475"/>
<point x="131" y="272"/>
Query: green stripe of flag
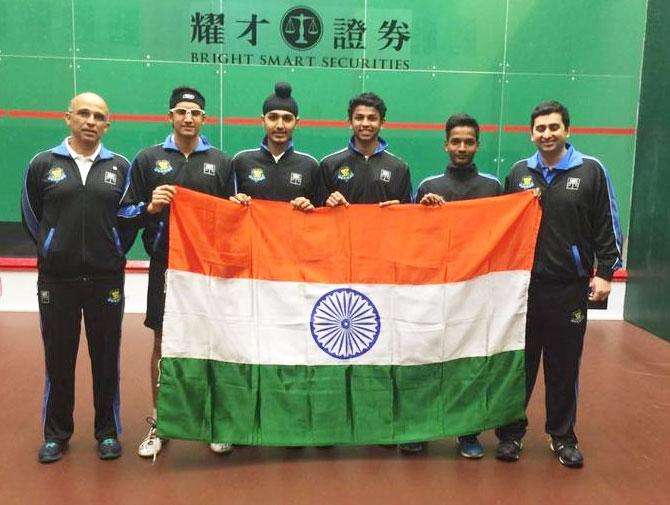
<point x="322" y="405"/>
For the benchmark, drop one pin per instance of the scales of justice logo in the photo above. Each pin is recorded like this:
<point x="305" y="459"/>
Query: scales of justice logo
<point x="301" y="28"/>
<point x="345" y="323"/>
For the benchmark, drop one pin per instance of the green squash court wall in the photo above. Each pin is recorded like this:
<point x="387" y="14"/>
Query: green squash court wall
<point x="494" y="59"/>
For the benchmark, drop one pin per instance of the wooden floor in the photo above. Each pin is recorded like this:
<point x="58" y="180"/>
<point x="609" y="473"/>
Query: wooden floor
<point x="624" y="428"/>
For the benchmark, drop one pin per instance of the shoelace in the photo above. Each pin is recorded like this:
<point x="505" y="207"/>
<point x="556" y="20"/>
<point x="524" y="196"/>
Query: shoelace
<point x="152" y="423"/>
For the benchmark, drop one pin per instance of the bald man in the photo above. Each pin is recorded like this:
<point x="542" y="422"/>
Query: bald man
<point x="69" y="204"/>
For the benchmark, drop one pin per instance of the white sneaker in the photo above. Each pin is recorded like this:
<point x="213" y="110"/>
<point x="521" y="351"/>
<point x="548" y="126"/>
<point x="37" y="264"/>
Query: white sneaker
<point x="151" y="445"/>
<point x="221" y="448"/>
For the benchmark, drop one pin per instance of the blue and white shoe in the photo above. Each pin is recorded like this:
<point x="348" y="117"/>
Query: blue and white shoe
<point x="469" y="447"/>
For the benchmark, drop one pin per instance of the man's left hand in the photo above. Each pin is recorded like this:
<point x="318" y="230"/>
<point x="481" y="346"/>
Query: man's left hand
<point x="600" y="289"/>
<point x="302" y="203"/>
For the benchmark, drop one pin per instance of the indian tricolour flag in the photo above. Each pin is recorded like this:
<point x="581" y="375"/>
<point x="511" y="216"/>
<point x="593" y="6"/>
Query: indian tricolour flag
<point x="351" y="325"/>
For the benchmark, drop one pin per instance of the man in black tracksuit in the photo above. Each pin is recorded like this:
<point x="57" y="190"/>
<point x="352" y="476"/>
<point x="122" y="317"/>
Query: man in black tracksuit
<point x="184" y="159"/>
<point x="275" y="170"/>
<point x="70" y="199"/>
<point x="365" y="171"/>
<point x="460" y="181"/>
<point x="579" y="222"/>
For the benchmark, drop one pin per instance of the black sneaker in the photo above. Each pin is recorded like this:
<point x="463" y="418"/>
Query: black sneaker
<point x="509" y="450"/>
<point x="109" y="448"/>
<point x="567" y="452"/>
<point x="412" y="447"/>
<point x="51" y="451"/>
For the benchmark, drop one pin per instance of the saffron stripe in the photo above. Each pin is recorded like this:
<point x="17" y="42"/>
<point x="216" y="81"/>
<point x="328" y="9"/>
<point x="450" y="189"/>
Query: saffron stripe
<point x="347" y="245"/>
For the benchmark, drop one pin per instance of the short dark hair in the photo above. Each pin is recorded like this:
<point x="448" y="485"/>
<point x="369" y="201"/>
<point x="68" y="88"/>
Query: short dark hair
<point x="461" y="119"/>
<point x="550" y="107"/>
<point x="368" y="100"/>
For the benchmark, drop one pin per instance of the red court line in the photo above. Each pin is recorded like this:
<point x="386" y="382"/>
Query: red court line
<point x="31" y="264"/>
<point x="143" y="266"/>
<point x="313" y="123"/>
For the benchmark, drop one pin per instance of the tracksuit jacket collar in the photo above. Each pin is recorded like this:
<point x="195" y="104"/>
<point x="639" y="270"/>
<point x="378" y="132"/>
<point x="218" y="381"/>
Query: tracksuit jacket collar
<point x="571" y="159"/>
<point x="381" y="146"/>
<point x="61" y="150"/>
<point x="203" y="144"/>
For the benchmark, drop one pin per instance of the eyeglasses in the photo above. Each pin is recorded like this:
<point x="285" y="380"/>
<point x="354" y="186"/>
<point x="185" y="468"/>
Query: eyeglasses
<point x="85" y="114"/>
<point x="194" y="113"/>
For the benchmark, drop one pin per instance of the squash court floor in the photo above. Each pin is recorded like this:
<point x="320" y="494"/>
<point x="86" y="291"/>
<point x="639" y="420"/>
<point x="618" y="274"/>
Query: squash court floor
<point x="623" y="425"/>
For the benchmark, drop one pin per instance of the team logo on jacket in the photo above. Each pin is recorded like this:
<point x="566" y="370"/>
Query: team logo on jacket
<point x="110" y="178"/>
<point x="296" y="179"/>
<point x="114" y="296"/>
<point x="344" y="174"/>
<point x="209" y="169"/>
<point x="385" y="175"/>
<point x="257" y="174"/>
<point x="526" y="182"/>
<point x="56" y="174"/>
<point x="577" y="316"/>
<point x="163" y="167"/>
<point x="45" y="297"/>
<point x="573" y="183"/>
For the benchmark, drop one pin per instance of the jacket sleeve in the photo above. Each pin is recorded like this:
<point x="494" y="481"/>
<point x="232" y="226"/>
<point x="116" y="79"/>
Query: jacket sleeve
<point x="127" y="226"/>
<point x="31" y="201"/>
<point x="420" y="193"/>
<point x="406" y="187"/>
<point x="317" y="192"/>
<point x="327" y="185"/>
<point x="135" y="196"/>
<point x="227" y="182"/>
<point x="606" y="227"/>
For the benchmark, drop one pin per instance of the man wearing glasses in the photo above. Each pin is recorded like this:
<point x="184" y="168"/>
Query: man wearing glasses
<point x="186" y="159"/>
<point x="69" y="206"/>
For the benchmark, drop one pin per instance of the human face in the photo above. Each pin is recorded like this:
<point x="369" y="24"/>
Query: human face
<point x="550" y="135"/>
<point x="279" y="126"/>
<point x="88" y="120"/>
<point x="186" y="125"/>
<point x="366" y="123"/>
<point x="462" y="144"/>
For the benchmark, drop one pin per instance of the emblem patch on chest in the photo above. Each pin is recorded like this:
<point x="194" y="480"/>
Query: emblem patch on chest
<point x="526" y="182"/>
<point x="573" y="183"/>
<point x="163" y="167"/>
<point x="344" y="174"/>
<point x="385" y="175"/>
<point x="110" y="178"/>
<point x="56" y="174"/>
<point x="209" y="169"/>
<point x="296" y="179"/>
<point x="257" y="174"/>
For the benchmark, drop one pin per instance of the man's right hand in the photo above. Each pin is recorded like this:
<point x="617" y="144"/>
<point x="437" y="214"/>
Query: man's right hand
<point x="160" y="197"/>
<point x="241" y="199"/>
<point x="336" y="198"/>
<point x="432" y="199"/>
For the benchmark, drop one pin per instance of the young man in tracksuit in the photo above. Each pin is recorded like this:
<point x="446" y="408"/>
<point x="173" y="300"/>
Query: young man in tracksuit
<point x="275" y="170"/>
<point x="70" y="200"/>
<point x="460" y="181"/>
<point x="185" y="159"/>
<point x="365" y="171"/>
<point x="579" y="222"/>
